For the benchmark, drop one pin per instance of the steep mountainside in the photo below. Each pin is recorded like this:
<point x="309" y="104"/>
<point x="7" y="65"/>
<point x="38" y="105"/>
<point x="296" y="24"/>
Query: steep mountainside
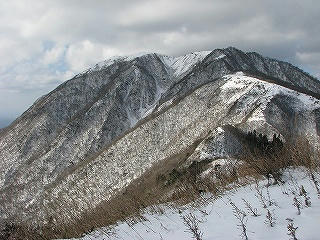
<point x="94" y="134"/>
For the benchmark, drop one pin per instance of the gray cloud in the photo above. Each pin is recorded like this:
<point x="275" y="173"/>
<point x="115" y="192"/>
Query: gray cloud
<point x="43" y="43"/>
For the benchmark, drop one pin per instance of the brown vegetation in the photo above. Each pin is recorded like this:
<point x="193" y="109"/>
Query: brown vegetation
<point x="169" y="184"/>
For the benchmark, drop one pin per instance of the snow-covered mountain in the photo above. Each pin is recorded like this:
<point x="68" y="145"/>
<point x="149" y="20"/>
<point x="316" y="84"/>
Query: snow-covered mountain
<point x="93" y="135"/>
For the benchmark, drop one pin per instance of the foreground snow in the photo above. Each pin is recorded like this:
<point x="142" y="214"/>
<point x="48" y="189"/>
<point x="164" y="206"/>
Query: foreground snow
<point x="217" y="221"/>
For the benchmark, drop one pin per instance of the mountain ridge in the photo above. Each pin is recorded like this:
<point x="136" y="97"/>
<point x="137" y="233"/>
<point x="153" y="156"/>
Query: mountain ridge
<point x="144" y="54"/>
<point x="77" y="123"/>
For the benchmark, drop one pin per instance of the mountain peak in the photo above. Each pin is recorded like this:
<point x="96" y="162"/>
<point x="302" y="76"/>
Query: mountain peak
<point x="176" y="64"/>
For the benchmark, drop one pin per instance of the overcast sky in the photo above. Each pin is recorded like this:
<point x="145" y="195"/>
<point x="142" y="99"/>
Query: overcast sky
<point x="43" y="43"/>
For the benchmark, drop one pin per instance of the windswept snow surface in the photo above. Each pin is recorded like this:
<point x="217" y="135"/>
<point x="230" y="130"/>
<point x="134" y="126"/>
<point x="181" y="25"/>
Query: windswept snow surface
<point x="180" y="65"/>
<point x="114" y="59"/>
<point x="217" y="220"/>
<point x="242" y="84"/>
<point x="177" y="66"/>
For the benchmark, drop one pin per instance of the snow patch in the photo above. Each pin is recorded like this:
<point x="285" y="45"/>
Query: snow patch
<point x="221" y="56"/>
<point x="175" y="65"/>
<point x="242" y="84"/>
<point x="180" y="65"/>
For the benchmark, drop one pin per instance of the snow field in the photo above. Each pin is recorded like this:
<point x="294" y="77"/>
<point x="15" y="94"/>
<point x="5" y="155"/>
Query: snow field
<point x="217" y="219"/>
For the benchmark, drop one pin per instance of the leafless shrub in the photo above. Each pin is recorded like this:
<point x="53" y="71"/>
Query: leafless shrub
<point x="260" y="196"/>
<point x="291" y="229"/>
<point x="261" y="166"/>
<point x="242" y="219"/>
<point x="297" y="204"/>
<point x="269" y="200"/>
<point x="303" y="192"/>
<point x="270" y="219"/>
<point x="192" y="224"/>
<point x="316" y="183"/>
<point x="251" y="210"/>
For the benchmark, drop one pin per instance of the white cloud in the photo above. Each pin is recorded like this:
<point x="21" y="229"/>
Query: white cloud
<point x="53" y="55"/>
<point x="43" y="43"/>
<point x="82" y="55"/>
<point x="311" y="60"/>
<point x="309" y="57"/>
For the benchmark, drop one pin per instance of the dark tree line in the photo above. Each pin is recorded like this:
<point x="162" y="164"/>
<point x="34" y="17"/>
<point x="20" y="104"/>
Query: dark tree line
<point x="259" y="143"/>
<point x="266" y="156"/>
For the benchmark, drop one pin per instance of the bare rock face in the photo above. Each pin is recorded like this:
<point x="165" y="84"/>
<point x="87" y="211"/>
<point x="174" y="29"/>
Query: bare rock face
<point x="94" y="134"/>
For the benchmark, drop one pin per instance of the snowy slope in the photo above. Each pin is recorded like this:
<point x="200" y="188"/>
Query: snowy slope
<point x="241" y="85"/>
<point x="176" y="65"/>
<point x="180" y="65"/>
<point x="217" y="221"/>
